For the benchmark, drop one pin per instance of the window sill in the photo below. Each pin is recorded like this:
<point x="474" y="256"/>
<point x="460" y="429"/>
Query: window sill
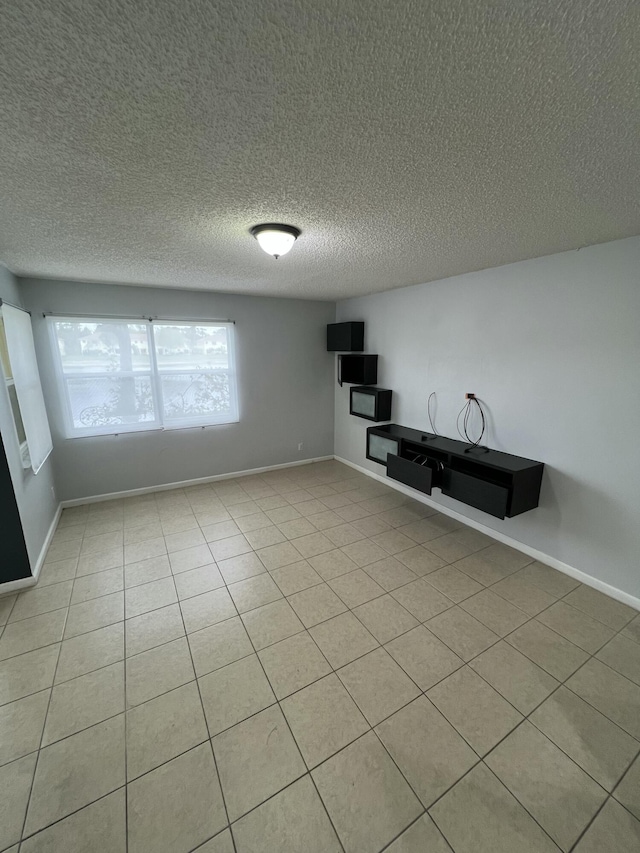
<point x="147" y="431"/>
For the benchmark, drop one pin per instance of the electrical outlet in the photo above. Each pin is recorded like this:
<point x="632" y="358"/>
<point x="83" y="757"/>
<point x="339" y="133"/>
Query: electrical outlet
<point x="469" y="396"/>
<point x="301" y="445"/>
<point x="53" y="492"/>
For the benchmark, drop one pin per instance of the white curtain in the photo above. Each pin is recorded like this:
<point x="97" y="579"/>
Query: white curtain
<point x="22" y="354"/>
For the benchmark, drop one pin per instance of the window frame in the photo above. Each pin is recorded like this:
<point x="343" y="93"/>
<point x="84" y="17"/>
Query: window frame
<point x="10" y="382"/>
<point x="230" y="370"/>
<point x="154" y="373"/>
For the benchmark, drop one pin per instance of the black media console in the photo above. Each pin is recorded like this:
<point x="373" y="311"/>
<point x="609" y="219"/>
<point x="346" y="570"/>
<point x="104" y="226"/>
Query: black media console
<point x="497" y="483"/>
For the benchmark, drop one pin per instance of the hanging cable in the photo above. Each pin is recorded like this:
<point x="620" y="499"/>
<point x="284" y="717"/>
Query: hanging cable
<point x="433" y="429"/>
<point x="482" y="418"/>
<point x="466" y="413"/>
<point x="460" y="413"/>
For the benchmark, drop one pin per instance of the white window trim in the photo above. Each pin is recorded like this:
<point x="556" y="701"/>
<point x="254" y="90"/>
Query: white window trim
<point x="154" y="374"/>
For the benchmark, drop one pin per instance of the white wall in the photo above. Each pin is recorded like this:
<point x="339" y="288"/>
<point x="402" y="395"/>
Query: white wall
<point x="552" y="346"/>
<point x="285" y="389"/>
<point x="36" y="501"/>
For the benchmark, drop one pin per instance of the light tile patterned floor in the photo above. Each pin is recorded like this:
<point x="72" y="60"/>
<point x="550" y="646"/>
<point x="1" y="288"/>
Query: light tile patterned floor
<point x="310" y="661"/>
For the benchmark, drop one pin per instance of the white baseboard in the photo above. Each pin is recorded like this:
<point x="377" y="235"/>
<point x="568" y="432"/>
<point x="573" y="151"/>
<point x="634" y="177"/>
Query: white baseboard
<point x="578" y="574"/>
<point x="16" y="586"/>
<point x="131" y="493"/>
<point x="47" y="542"/>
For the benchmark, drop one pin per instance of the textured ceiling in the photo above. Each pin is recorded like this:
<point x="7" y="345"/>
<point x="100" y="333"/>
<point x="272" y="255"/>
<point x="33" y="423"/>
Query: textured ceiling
<point x="410" y="141"/>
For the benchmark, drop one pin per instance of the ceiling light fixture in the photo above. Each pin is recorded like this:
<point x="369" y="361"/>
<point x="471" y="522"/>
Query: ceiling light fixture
<point x="275" y="239"/>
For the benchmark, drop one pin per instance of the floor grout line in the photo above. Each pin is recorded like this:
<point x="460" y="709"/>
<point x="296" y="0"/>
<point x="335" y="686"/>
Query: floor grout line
<point x="284" y="716"/>
<point x="425" y="813"/>
<point x="533" y="818"/>
<point x="425" y="624"/>
<point x="373" y="728"/>
<point x="333" y="670"/>
<point x="126" y="732"/>
<point x="74" y="812"/>
<point x="351" y="610"/>
<point x="206" y="722"/>
<point x="590" y="822"/>
<point x="39" y="751"/>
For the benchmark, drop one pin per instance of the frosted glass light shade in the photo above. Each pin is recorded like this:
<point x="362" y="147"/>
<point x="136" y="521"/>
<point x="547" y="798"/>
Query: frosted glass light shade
<point x="275" y="239"/>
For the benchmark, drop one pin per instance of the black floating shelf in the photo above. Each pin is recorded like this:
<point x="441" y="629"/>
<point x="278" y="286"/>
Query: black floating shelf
<point x="497" y="483"/>
<point x="373" y="404"/>
<point x="358" y="369"/>
<point x="345" y="337"/>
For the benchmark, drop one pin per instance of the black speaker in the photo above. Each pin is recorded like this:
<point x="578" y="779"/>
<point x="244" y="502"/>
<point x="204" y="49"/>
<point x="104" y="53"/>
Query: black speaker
<point x="345" y="337"/>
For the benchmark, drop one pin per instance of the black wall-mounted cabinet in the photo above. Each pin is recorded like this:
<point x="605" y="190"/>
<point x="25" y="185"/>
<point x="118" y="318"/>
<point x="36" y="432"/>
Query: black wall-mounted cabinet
<point x="358" y="369"/>
<point x="345" y="337"/>
<point x="373" y="404"/>
<point x="494" y="482"/>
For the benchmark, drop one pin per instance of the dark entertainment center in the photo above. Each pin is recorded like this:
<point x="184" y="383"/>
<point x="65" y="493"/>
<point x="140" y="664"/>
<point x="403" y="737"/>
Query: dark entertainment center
<point x="494" y="482"/>
<point x="498" y="483"/>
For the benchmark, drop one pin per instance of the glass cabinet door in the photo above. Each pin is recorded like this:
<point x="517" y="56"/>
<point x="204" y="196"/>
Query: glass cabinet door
<point x="380" y="445"/>
<point x="363" y="404"/>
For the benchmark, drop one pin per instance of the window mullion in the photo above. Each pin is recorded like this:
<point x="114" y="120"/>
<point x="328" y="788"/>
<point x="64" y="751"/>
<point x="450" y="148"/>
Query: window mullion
<point x="156" y="383"/>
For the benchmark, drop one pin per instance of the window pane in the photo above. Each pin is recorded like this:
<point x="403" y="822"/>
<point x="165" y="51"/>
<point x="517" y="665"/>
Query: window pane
<point x="110" y="401"/>
<point x="197" y="396"/>
<point x="191" y="347"/>
<point x="102" y="347"/>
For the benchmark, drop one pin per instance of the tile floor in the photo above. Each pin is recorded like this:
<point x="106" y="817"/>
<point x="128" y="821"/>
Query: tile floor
<point x="310" y="661"/>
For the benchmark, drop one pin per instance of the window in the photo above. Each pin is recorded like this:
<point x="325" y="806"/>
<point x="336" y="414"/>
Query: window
<point x="131" y="375"/>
